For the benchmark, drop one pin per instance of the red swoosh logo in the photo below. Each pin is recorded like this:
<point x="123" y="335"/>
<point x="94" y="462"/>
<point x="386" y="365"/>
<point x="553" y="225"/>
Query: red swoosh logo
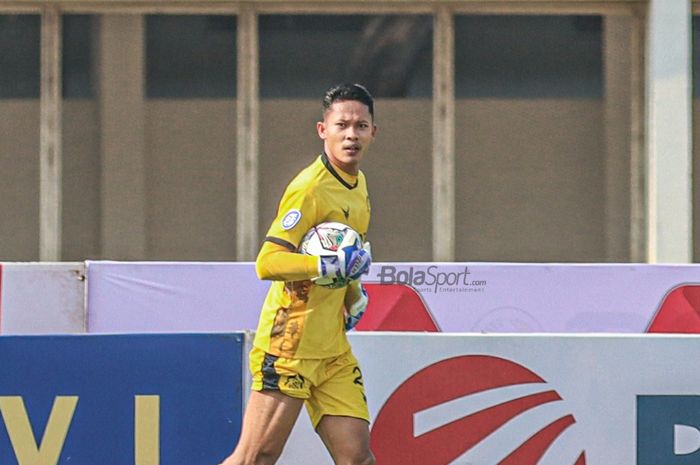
<point x="392" y="438"/>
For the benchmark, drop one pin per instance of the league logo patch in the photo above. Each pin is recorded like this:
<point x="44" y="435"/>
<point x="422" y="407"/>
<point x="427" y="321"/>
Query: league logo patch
<point x="291" y="219"/>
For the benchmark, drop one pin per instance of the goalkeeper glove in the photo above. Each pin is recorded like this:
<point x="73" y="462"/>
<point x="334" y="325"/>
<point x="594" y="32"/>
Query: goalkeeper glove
<point x="355" y="304"/>
<point x="349" y="263"/>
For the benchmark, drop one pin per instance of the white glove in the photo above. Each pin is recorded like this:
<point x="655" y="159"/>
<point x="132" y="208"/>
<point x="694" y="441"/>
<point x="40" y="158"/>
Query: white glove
<point x="356" y="301"/>
<point x="348" y="264"/>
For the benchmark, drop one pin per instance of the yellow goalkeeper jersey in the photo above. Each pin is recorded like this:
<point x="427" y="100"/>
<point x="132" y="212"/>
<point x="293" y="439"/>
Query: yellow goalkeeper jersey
<point x="299" y="319"/>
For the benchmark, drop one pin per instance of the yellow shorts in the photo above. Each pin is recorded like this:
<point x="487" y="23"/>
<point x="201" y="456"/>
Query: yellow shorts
<point x="330" y="386"/>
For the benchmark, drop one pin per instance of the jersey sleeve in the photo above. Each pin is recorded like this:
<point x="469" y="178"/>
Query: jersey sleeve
<point x="296" y="214"/>
<point x="278" y="263"/>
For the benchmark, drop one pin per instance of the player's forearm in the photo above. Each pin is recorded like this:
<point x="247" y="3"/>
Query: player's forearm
<point x="276" y="263"/>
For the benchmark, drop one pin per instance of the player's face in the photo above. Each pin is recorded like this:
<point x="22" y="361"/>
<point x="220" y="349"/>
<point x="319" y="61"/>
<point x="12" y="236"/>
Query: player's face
<point x="347" y="131"/>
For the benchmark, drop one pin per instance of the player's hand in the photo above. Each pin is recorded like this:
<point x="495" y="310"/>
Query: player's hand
<point x="349" y="263"/>
<point x="357" y="261"/>
<point x="356" y="300"/>
<point x="367" y="247"/>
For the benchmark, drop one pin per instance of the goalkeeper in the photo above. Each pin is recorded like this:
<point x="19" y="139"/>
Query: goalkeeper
<point x="301" y="353"/>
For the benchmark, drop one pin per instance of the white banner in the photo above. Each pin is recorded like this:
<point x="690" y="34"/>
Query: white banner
<point x="439" y="399"/>
<point x="158" y="297"/>
<point x="434" y="297"/>
<point x="42" y="298"/>
<point x="534" y="298"/>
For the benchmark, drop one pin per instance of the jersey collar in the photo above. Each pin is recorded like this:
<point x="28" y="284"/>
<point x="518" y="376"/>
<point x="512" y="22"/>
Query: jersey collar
<point x="344" y="178"/>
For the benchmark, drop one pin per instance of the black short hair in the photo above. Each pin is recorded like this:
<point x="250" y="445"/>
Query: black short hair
<point x="342" y="92"/>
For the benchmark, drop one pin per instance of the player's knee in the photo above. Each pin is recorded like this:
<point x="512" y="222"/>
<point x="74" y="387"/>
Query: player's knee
<point x="268" y="454"/>
<point x="265" y="456"/>
<point x="369" y="460"/>
<point x="262" y="456"/>
<point x="366" y="458"/>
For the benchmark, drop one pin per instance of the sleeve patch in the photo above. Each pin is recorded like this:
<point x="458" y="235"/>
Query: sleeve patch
<point x="290" y="219"/>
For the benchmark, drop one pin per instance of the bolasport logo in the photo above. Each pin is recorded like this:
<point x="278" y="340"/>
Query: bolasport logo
<point x="475" y="409"/>
<point x="431" y="279"/>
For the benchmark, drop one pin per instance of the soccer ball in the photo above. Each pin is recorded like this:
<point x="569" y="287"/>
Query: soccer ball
<point x="326" y="239"/>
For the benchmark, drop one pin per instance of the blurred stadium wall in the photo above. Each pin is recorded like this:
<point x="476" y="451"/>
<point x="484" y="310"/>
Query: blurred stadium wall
<point x="508" y="131"/>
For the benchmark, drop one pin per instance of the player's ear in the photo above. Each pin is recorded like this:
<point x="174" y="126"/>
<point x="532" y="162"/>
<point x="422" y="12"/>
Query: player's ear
<point x="374" y="130"/>
<point x="321" y="128"/>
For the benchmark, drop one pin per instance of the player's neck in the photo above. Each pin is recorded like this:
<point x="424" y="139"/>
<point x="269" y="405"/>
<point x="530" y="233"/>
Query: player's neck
<point x="344" y="168"/>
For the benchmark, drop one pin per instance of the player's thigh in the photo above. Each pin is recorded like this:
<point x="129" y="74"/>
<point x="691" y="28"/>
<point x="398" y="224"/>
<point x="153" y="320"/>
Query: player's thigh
<point x="338" y="411"/>
<point x="267" y="423"/>
<point x="340" y="393"/>
<point x="347" y="439"/>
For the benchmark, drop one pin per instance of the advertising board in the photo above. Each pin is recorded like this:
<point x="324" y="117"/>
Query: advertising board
<point x="120" y="399"/>
<point x="158" y="297"/>
<point x="534" y="298"/>
<point x="42" y="298"/>
<point x="439" y="399"/>
<point x="442" y="297"/>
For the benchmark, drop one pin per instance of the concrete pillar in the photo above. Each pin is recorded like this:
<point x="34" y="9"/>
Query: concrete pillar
<point x="668" y="129"/>
<point x="625" y="205"/>
<point x="248" y="108"/>
<point x="121" y="90"/>
<point x="443" y="136"/>
<point x="50" y="158"/>
<point x="616" y="65"/>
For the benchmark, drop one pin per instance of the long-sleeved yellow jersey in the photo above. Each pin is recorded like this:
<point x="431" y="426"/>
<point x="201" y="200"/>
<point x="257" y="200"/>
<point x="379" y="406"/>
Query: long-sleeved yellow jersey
<point x="299" y="319"/>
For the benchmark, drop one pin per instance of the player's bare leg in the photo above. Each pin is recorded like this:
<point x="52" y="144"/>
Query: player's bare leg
<point x="347" y="439"/>
<point x="268" y="421"/>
